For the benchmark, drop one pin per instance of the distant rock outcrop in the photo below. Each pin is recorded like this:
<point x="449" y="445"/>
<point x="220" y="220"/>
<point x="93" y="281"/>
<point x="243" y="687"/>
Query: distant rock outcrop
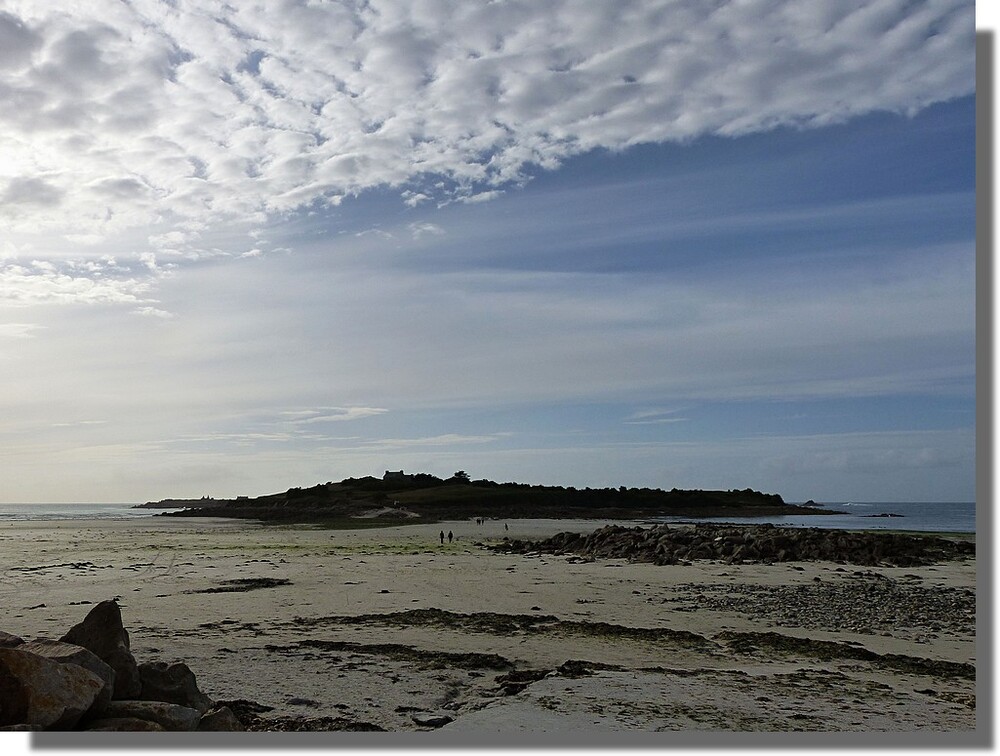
<point x="401" y="497"/>
<point x="89" y="680"/>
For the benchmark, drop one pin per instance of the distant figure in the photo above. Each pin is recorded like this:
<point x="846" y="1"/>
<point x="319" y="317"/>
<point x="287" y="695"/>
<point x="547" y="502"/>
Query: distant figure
<point x="505" y="526"/>
<point x="449" y="536"/>
<point x="442" y="538"/>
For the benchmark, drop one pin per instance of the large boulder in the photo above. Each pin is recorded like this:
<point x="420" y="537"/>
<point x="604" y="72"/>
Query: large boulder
<point x="174" y="683"/>
<point x="68" y="653"/>
<point x="103" y="633"/>
<point x="220" y="719"/>
<point x="170" y="717"/>
<point x="38" y="691"/>
<point x="9" y="641"/>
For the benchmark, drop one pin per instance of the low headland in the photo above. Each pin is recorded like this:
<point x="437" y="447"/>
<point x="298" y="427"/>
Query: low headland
<point x="400" y="498"/>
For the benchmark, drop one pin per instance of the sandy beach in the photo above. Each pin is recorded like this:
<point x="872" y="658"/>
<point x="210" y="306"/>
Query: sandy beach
<point x="388" y="628"/>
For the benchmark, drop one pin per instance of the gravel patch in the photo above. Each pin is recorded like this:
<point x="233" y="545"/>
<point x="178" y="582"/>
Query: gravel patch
<point x="867" y="603"/>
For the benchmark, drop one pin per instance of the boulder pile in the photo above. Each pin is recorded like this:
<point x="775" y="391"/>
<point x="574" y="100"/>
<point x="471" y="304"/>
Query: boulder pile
<point x="89" y="680"/>
<point x="748" y="543"/>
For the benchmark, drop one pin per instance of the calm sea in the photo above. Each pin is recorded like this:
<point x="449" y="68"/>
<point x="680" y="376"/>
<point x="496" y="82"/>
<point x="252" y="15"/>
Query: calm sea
<point x="921" y="516"/>
<point x="934" y="517"/>
<point x="72" y="512"/>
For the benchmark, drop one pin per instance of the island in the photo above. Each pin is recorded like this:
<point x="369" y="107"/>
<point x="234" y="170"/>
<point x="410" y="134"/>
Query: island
<point x="401" y="497"/>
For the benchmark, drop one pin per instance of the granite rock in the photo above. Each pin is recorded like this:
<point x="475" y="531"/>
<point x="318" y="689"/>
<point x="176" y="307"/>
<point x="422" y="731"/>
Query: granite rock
<point x="103" y="633"/>
<point x="37" y="691"/>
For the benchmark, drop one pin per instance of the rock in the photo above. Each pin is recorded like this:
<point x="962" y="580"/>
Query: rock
<point x="103" y="633"/>
<point x="431" y="720"/>
<point x="76" y="683"/>
<point x="123" y="724"/>
<point x="68" y="653"/>
<point x="38" y="691"/>
<point x="758" y="543"/>
<point x="574" y="668"/>
<point x="515" y="681"/>
<point x="173" y="683"/>
<point x="170" y="717"/>
<point x="220" y="719"/>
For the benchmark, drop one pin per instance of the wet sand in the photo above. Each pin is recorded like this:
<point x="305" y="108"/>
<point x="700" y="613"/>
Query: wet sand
<point x="389" y="628"/>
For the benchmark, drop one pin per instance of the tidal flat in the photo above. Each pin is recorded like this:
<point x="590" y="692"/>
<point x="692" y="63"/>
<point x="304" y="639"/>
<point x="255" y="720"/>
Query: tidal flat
<point x="306" y="628"/>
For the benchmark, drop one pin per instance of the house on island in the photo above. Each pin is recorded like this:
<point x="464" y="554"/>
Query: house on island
<point x="396" y="477"/>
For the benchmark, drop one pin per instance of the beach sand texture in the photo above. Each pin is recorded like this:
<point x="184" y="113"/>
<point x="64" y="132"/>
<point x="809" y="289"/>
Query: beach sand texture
<point x="387" y="627"/>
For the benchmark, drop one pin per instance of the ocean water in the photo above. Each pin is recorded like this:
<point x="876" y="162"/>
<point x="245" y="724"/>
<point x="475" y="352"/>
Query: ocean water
<point x="943" y="517"/>
<point x="72" y="512"/>
<point x="925" y="517"/>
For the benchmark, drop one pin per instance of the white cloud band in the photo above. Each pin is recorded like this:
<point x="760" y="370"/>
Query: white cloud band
<point x="121" y="115"/>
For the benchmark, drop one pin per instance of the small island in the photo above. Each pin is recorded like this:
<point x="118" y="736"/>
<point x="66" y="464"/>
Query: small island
<point x="402" y="497"/>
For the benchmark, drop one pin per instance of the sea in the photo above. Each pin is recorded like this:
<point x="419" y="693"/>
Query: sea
<point x="933" y="517"/>
<point x="73" y="512"/>
<point x="924" y="517"/>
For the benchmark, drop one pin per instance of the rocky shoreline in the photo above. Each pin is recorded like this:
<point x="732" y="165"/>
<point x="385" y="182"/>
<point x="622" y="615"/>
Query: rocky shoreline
<point x="665" y="544"/>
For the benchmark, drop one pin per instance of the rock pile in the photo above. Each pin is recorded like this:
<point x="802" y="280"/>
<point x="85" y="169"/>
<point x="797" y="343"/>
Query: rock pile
<point x="89" y="680"/>
<point x="751" y="543"/>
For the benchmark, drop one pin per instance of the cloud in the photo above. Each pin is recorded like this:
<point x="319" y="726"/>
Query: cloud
<point x="17" y="42"/>
<point x="336" y="414"/>
<point x="247" y="427"/>
<point x="418" y="230"/>
<point x="71" y="282"/>
<point x="866" y="460"/>
<point x="654" y="417"/>
<point x="240" y="439"/>
<point x="377" y="232"/>
<point x="153" y="312"/>
<point x="412" y="199"/>
<point x="481" y="196"/>
<point x="142" y="114"/>
<point x="79" y="423"/>
<point x="30" y="191"/>
<point x="19" y="330"/>
<point x="443" y="440"/>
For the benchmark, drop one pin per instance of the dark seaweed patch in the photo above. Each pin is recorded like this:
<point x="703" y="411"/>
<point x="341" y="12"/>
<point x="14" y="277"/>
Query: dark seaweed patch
<point x="244" y="584"/>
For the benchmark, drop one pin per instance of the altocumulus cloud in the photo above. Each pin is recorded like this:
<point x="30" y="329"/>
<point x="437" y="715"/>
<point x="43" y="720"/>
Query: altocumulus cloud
<point x="148" y="114"/>
<point x="92" y="281"/>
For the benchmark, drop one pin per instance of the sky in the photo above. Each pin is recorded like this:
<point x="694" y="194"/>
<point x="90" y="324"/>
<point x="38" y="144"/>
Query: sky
<point x="249" y="246"/>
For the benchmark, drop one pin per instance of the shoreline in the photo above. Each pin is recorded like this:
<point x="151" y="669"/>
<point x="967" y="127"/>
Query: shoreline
<point x="382" y="625"/>
<point x="365" y="523"/>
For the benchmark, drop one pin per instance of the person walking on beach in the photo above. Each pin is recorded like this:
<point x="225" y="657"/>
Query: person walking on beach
<point x="449" y="536"/>
<point x="442" y="538"/>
